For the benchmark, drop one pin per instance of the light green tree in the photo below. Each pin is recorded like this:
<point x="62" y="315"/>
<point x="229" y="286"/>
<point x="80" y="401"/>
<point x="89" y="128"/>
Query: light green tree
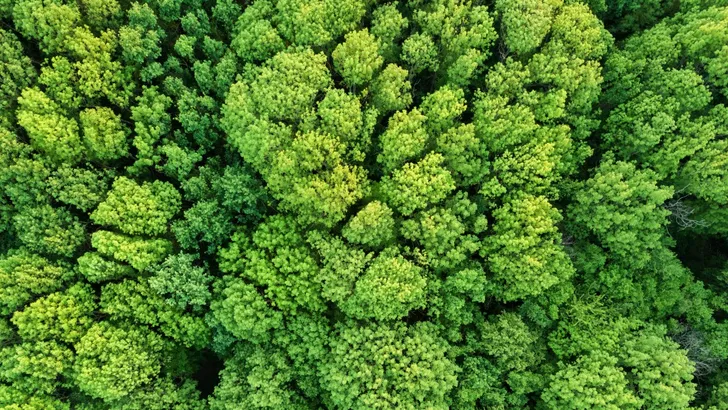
<point x="524" y="253"/>
<point x="391" y="90"/>
<point x="112" y="361"/>
<point x="24" y="275"/>
<point x="138" y="252"/>
<point x="622" y="207"/>
<point x="405" y="139"/>
<point x="418" y="185"/>
<point x="593" y="381"/>
<point x="244" y="312"/>
<point x="525" y="24"/>
<point x="373" y="225"/>
<point x="357" y="59"/>
<point x="138" y="209"/>
<point x="104" y="137"/>
<point x="379" y="366"/>
<point x="62" y="316"/>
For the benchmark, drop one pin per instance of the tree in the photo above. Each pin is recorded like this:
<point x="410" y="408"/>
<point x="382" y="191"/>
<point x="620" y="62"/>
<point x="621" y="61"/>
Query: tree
<point x="300" y="74"/>
<point x="391" y="91"/>
<point x="80" y="187"/>
<point x="313" y="180"/>
<point x="322" y="204"/>
<point x="24" y="275"/>
<point x="50" y="22"/>
<point x="703" y="174"/>
<point x="95" y="268"/>
<point x="134" y="301"/>
<point x="139" y="40"/>
<point x="717" y="398"/>
<point x="525" y="24"/>
<point x="319" y="22"/>
<point x="50" y="131"/>
<point x="340" y="115"/>
<point x="59" y="78"/>
<point x="661" y="377"/>
<point x="35" y="367"/>
<point x="382" y="366"/>
<point x="112" y="361"/>
<point x="465" y="35"/>
<point x="16" y="73"/>
<point x="621" y="206"/>
<point x="138" y="252"/>
<point x="342" y="266"/>
<point x="524" y="253"/>
<point x="404" y="139"/>
<point x="101" y="14"/>
<point x="372" y="226"/>
<point x="389" y="288"/>
<point x="276" y="258"/>
<point x="594" y="381"/>
<point x="465" y="155"/>
<point x="388" y="25"/>
<point x="16" y="399"/>
<point x="587" y="325"/>
<point x="204" y="222"/>
<point x="256" y="377"/>
<point x="180" y="282"/>
<point x="417" y="185"/>
<point x="670" y="95"/>
<point x="458" y="302"/>
<point x="244" y="312"/>
<point x="256" y="39"/>
<point x="103" y="135"/>
<point x="510" y="342"/>
<point x="48" y="230"/>
<point x="151" y="122"/>
<point x="62" y="316"/>
<point x="478" y="383"/>
<point x="443" y="108"/>
<point x="661" y="371"/>
<point x="162" y="393"/>
<point x="420" y="53"/>
<point x="138" y="209"/>
<point x="445" y="233"/>
<point x="305" y="170"/>
<point x="357" y="59"/>
<point x="218" y="198"/>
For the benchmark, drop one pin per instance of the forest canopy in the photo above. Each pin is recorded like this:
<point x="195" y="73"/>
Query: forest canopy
<point x="363" y="204"/>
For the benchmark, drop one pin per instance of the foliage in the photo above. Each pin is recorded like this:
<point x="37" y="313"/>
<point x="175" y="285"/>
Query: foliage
<point x="180" y="282"/>
<point x="524" y="253"/>
<point x="63" y="316"/>
<point x="112" y="361"/>
<point x="136" y="209"/>
<point x="357" y="204"/>
<point x="622" y="207"/>
<point x="366" y="360"/>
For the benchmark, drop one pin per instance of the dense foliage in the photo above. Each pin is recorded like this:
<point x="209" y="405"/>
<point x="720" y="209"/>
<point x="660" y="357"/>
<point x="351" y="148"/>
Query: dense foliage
<point x="359" y="204"/>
